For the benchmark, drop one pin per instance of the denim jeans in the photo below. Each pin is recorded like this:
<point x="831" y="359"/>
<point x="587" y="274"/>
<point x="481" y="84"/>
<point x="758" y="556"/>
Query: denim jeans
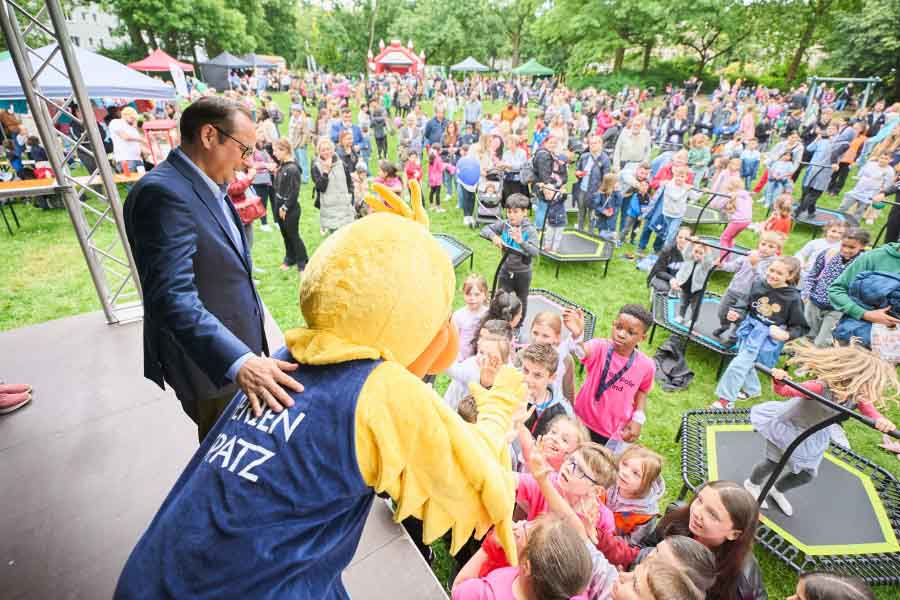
<point x="468" y="201"/>
<point x="302" y="158"/>
<point x="773" y="190"/>
<point x="673" y="224"/>
<point x="449" y="180"/>
<point x="740" y="374"/>
<point x="540" y="213"/>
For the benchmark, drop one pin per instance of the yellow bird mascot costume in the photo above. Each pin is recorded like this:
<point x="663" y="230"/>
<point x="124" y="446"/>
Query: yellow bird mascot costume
<point x="274" y="506"/>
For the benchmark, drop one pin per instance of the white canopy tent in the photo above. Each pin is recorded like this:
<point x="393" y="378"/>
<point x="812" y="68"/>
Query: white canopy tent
<point x="470" y="64"/>
<point x="103" y="77"/>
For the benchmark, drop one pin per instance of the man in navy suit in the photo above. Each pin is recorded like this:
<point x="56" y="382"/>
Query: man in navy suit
<point x="203" y="318"/>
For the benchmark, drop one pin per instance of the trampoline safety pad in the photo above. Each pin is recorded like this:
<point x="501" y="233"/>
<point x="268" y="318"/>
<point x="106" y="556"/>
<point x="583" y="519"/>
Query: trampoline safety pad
<point x="711" y="216"/>
<point x="839" y="512"/>
<point x="707" y="322"/>
<point x="540" y="300"/>
<point x="578" y="246"/>
<point x="823" y="216"/>
<point x="456" y="250"/>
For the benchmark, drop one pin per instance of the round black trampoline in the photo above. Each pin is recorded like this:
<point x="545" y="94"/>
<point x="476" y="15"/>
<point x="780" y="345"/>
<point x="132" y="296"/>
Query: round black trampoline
<point x="711" y="216"/>
<point x="579" y="246"/>
<point x="456" y="250"/>
<point x="665" y="308"/>
<point x="823" y="216"/>
<point x="541" y="300"/>
<point x="824" y="533"/>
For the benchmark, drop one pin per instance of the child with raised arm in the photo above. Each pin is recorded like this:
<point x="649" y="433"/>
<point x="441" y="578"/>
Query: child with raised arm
<point x="850" y="375"/>
<point x="738" y="206"/>
<point x="775" y="316"/>
<point x="619" y="376"/>
<point x="493" y="352"/>
<point x="519" y="234"/>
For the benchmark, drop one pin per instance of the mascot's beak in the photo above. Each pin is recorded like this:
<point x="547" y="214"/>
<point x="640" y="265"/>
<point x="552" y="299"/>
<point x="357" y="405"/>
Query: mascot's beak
<point x="440" y="353"/>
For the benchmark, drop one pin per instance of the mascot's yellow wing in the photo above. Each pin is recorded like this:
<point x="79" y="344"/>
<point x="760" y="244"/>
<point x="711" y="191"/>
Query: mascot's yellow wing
<point x="448" y="473"/>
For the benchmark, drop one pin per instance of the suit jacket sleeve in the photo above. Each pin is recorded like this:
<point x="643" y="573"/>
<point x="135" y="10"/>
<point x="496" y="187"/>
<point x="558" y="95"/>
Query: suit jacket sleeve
<point x="166" y="240"/>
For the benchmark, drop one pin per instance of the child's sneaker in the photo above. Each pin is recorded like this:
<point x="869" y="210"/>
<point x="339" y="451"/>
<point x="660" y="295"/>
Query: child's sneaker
<point x="755" y="491"/>
<point x="722" y="404"/>
<point x="781" y="501"/>
<point x="744" y="396"/>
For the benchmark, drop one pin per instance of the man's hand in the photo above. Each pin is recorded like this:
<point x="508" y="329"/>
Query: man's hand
<point x="263" y="379"/>
<point x="674" y="285"/>
<point x="631" y="432"/>
<point x="881" y="317"/>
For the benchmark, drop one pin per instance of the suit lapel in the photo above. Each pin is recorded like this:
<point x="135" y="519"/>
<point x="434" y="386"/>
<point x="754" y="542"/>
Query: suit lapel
<point x="212" y="204"/>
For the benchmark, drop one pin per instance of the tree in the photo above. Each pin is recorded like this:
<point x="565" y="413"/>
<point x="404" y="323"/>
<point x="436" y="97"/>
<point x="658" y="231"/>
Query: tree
<point x="712" y="28"/>
<point x="516" y="16"/>
<point x="865" y="43"/>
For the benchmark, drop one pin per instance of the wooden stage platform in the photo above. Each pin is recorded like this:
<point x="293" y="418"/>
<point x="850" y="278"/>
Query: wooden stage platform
<point x="84" y="467"/>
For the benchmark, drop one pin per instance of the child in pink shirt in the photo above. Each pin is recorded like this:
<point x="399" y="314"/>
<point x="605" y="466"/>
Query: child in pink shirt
<point x="738" y="205"/>
<point x="619" y="376"/>
<point x="436" y="168"/>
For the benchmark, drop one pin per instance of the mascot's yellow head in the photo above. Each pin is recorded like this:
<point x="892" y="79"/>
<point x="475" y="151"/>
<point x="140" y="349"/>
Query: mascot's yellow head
<point x="381" y="287"/>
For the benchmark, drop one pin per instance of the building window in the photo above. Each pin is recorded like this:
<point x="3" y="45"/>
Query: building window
<point x="76" y="41"/>
<point x="90" y="42"/>
<point x="95" y="17"/>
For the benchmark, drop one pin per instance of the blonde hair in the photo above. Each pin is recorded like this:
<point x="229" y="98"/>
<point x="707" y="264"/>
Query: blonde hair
<point x="600" y="461"/>
<point x="608" y="185"/>
<point x="773" y="237"/>
<point x="783" y="204"/>
<point x="582" y="431"/>
<point x="282" y="145"/>
<point x="698" y="140"/>
<point x="478" y="281"/>
<point x="324" y="142"/>
<point x="849" y="370"/>
<point x="548" y="319"/>
<point x="651" y="465"/>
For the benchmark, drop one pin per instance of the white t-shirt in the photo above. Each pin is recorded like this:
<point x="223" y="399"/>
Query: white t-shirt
<point x="124" y="149"/>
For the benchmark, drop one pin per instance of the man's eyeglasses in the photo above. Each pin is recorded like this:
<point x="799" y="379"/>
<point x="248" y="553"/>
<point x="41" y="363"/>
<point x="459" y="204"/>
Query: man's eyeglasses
<point x="245" y="149"/>
<point x="578" y="471"/>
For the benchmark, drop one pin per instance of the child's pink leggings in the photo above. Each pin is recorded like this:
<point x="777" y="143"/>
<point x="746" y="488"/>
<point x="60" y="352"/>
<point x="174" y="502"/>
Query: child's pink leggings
<point x="731" y="232"/>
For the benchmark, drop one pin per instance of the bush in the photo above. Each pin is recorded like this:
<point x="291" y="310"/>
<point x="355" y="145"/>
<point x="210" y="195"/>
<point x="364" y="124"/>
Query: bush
<point x="659" y="74"/>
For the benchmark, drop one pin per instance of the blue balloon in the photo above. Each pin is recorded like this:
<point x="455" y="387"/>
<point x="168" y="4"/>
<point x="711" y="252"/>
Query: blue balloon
<point x="468" y="170"/>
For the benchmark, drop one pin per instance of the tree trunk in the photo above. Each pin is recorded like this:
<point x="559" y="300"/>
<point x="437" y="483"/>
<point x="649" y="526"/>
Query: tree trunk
<point x="645" y="60"/>
<point x="618" y="59"/>
<point x="701" y="66"/>
<point x="515" y="42"/>
<point x="820" y="8"/>
<point x="801" y="50"/>
<point x="137" y="40"/>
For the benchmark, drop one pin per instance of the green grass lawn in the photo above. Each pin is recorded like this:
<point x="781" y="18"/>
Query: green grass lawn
<point x="44" y="277"/>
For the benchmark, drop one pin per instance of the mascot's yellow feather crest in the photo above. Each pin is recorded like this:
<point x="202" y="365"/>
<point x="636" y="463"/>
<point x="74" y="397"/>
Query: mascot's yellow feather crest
<point x="382" y="287"/>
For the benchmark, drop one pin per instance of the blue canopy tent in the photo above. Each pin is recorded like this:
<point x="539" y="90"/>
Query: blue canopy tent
<point x="216" y="71"/>
<point x="103" y="77"/>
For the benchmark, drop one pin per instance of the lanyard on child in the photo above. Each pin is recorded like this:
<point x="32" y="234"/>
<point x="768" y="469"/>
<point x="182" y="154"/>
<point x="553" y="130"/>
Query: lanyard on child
<point x="539" y="409"/>
<point x="605" y="385"/>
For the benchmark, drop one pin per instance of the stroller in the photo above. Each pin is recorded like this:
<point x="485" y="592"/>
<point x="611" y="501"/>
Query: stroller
<point x="490" y="193"/>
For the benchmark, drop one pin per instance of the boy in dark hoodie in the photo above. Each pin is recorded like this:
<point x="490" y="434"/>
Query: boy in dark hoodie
<point x="519" y="235"/>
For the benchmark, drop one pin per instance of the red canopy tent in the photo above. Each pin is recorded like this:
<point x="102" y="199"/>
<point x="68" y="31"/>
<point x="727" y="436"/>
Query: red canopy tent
<point x="396" y="58"/>
<point x="159" y="61"/>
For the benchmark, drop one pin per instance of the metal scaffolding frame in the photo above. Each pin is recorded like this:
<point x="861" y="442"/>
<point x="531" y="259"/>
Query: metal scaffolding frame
<point x="870" y="82"/>
<point x="96" y="214"/>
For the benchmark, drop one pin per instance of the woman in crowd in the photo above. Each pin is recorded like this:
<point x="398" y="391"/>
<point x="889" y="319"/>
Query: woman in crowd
<point x="286" y="197"/>
<point x="333" y="189"/>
